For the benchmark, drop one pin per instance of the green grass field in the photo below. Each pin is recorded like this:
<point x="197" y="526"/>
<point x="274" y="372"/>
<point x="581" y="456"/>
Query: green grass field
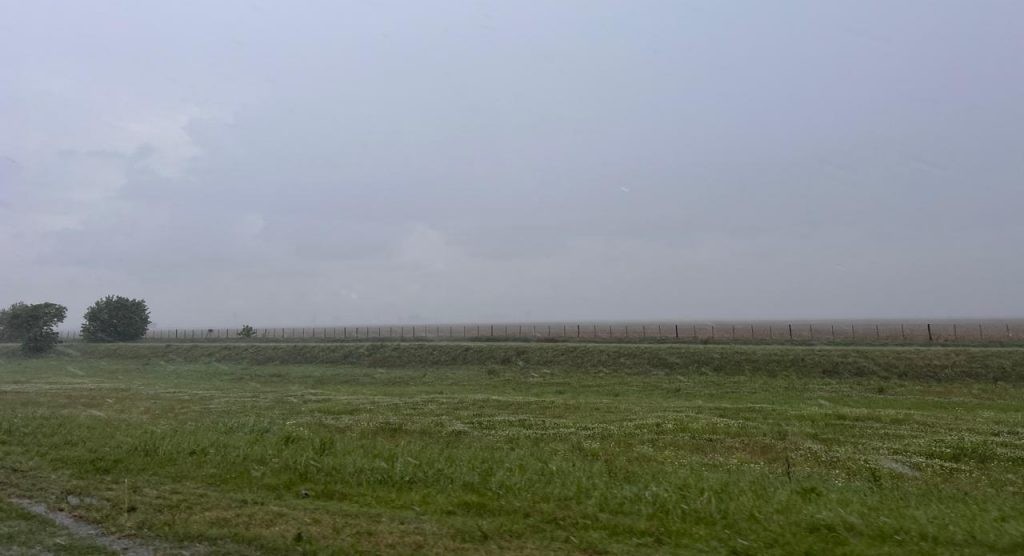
<point x="452" y="448"/>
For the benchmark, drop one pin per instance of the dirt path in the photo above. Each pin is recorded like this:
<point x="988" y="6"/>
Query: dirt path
<point x="77" y="527"/>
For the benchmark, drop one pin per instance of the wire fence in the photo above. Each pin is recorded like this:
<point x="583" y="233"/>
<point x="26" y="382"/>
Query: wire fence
<point x="858" y="332"/>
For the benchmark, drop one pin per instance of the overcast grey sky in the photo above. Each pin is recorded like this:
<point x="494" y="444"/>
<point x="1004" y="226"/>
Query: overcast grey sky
<point x="350" y="162"/>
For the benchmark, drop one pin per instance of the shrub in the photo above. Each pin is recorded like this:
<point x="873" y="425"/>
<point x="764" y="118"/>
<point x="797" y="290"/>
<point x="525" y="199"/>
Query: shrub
<point x="116" y="319"/>
<point x="33" y="325"/>
<point x="247" y="332"/>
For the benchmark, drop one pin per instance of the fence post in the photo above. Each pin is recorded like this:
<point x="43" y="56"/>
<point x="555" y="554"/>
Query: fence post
<point x="981" y="333"/>
<point x="712" y="332"/>
<point x="833" y="332"/>
<point x="1007" y="331"/>
<point x="954" y="332"/>
<point x="771" y="332"/>
<point x="929" y="332"/>
<point x="677" y="331"/>
<point x="791" y="332"/>
<point x="878" y="335"/>
<point x="903" y="333"/>
<point x="578" y="331"/>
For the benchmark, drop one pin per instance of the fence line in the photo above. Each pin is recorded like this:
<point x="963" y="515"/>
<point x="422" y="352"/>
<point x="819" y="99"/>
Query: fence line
<point x="781" y="332"/>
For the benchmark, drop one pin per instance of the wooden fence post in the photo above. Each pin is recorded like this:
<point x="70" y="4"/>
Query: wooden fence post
<point x="929" y="332"/>
<point x="791" y="332"/>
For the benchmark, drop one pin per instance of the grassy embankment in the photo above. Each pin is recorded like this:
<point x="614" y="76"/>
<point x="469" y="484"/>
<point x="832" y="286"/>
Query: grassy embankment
<point x="521" y="448"/>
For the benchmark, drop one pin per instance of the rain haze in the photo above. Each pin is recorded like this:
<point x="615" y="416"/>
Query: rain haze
<point x="308" y="163"/>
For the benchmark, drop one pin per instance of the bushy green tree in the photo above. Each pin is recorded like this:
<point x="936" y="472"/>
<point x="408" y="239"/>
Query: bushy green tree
<point x="116" y="319"/>
<point x="247" y="332"/>
<point x="33" y="325"/>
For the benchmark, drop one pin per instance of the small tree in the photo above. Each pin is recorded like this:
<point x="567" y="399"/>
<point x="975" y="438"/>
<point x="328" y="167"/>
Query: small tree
<point x="33" y="325"/>
<point x="116" y="319"/>
<point x="247" y="332"/>
<point x="6" y="333"/>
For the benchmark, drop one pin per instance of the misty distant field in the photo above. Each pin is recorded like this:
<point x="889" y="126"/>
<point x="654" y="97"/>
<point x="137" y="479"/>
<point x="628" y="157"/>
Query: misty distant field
<point x="534" y="449"/>
<point x="879" y="331"/>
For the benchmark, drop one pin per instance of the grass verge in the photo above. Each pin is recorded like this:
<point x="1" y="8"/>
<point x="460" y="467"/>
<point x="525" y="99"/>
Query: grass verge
<point x="984" y="364"/>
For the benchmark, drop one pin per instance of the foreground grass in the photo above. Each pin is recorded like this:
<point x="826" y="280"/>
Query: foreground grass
<point x="521" y="457"/>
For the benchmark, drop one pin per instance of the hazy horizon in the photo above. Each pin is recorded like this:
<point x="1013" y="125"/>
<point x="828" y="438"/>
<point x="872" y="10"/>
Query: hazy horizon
<point x="332" y="163"/>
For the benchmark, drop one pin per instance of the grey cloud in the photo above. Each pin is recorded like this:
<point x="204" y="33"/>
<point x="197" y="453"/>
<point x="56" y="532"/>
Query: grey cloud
<point x="343" y="162"/>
